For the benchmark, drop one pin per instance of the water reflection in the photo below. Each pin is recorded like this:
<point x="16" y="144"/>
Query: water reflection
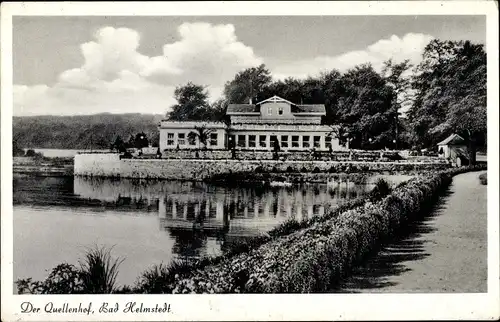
<point x="153" y="221"/>
<point x="202" y="219"/>
<point x="205" y="219"/>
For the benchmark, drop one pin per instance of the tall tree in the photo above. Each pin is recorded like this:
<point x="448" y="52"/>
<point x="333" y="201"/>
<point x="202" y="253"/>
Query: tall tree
<point x="218" y="110"/>
<point x="333" y="89"/>
<point x="451" y="93"/>
<point x="118" y="144"/>
<point x="397" y="75"/>
<point x="248" y="84"/>
<point x="141" y="140"/>
<point x="366" y="108"/>
<point x="192" y="103"/>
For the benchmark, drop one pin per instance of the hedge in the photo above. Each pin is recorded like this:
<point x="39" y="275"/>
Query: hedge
<point x="316" y="257"/>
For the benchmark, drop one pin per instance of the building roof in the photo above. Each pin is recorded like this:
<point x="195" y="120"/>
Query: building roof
<point x="242" y="108"/>
<point x="311" y="108"/>
<point x="233" y="109"/>
<point x="275" y="99"/>
<point x="452" y="139"/>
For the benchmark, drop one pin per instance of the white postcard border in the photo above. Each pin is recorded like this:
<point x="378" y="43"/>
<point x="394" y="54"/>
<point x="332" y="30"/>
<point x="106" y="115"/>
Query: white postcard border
<point x="273" y="306"/>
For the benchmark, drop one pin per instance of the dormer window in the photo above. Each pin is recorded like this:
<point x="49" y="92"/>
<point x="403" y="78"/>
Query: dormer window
<point x="270" y="110"/>
<point x="280" y="111"/>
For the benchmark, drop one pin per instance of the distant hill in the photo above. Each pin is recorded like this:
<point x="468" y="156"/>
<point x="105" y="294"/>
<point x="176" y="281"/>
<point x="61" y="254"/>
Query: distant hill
<point x="81" y="131"/>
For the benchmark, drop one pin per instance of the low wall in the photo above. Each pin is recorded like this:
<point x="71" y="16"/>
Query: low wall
<point x="98" y="164"/>
<point x="43" y="166"/>
<point x="110" y="165"/>
<point x="349" y="155"/>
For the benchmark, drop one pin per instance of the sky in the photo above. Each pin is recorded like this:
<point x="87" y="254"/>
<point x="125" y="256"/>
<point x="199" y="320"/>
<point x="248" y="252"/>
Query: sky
<point x="87" y="65"/>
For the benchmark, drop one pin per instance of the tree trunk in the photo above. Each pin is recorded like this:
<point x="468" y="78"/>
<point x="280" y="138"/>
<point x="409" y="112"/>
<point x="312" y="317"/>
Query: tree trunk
<point x="472" y="149"/>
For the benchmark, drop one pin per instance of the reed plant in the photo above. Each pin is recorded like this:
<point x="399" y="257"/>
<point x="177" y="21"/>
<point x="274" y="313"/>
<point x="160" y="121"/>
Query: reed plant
<point x="99" y="270"/>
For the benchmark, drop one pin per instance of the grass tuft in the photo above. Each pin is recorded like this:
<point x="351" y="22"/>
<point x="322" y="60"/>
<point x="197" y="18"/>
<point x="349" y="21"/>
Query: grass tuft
<point x="99" y="271"/>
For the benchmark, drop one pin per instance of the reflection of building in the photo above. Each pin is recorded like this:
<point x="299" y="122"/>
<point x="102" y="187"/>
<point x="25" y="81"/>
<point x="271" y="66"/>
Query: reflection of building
<point x="241" y="212"/>
<point x="256" y="127"/>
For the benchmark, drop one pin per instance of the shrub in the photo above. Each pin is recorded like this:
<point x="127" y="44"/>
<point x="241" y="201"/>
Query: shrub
<point x="382" y="188"/>
<point x="99" y="271"/>
<point x="63" y="279"/>
<point x="314" y="258"/>
<point x="156" y="280"/>
<point x="483" y="178"/>
<point x="96" y="275"/>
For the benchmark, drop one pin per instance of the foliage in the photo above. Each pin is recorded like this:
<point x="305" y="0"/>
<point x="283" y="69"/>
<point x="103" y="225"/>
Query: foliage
<point x="248" y="84"/>
<point x="200" y="134"/>
<point x="192" y="105"/>
<point x="154" y="279"/>
<point x="315" y="258"/>
<point x="63" y="279"/>
<point x="398" y="78"/>
<point x="382" y="188"/>
<point x="450" y="85"/>
<point x="140" y="141"/>
<point x="483" y="178"/>
<point x="96" y="275"/>
<point x="99" y="271"/>
<point x="16" y="150"/>
<point x="32" y="154"/>
<point x="119" y="145"/>
<point x="82" y="131"/>
<point x="366" y="108"/>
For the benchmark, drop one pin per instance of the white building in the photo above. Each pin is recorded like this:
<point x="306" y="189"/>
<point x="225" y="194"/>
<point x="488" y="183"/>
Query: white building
<point x="256" y="127"/>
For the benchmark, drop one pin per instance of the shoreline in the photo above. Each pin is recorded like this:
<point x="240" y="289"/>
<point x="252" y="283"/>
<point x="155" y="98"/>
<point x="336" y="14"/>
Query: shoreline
<point x="210" y="275"/>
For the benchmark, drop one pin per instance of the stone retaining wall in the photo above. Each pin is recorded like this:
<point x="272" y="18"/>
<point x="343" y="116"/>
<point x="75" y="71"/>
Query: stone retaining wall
<point x="109" y="165"/>
<point x="351" y="155"/>
<point x="43" y="166"/>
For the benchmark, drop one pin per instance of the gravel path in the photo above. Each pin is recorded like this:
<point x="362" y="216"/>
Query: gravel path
<point x="445" y="252"/>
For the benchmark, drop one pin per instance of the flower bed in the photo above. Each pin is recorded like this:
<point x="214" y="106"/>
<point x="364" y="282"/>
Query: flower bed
<point x="316" y="257"/>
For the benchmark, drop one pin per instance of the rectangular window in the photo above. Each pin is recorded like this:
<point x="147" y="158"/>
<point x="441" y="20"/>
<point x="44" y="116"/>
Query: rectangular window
<point x="295" y="141"/>
<point x="241" y="141"/>
<point x="213" y="139"/>
<point x="192" y="138"/>
<point x="270" y="110"/>
<point x="274" y="140"/>
<point x="181" y="138"/>
<point x="251" y="141"/>
<point x="328" y="141"/>
<point x="170" y="138"/>
<point x="305" y="141"/>
<point x="284" y="141"/>
<point x="280" y="111"/>
<point x="317" y="140"/>
<point x="263" y="141"/>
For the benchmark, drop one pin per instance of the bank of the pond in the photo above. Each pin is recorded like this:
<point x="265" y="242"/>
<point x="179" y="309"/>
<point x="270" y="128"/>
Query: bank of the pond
<point x="308" y="256"/>
<point x="315" y="257"/>
<point x="112" y="165"/>
<point x="43" y="166"/>
<point x="269" y="178"/>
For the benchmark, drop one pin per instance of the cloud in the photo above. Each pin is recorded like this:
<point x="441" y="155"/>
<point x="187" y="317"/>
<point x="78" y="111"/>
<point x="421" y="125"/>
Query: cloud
<point x="410" y="46"/>
<point x="116" y="78"/>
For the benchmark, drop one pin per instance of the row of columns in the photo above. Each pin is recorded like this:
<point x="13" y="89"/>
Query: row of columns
<point x="180" y="211"/>
<point x="268" y="145"/>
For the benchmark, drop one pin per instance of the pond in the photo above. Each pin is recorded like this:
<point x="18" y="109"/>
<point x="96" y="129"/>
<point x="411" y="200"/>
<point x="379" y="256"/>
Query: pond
<point x="149" y="222"/>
